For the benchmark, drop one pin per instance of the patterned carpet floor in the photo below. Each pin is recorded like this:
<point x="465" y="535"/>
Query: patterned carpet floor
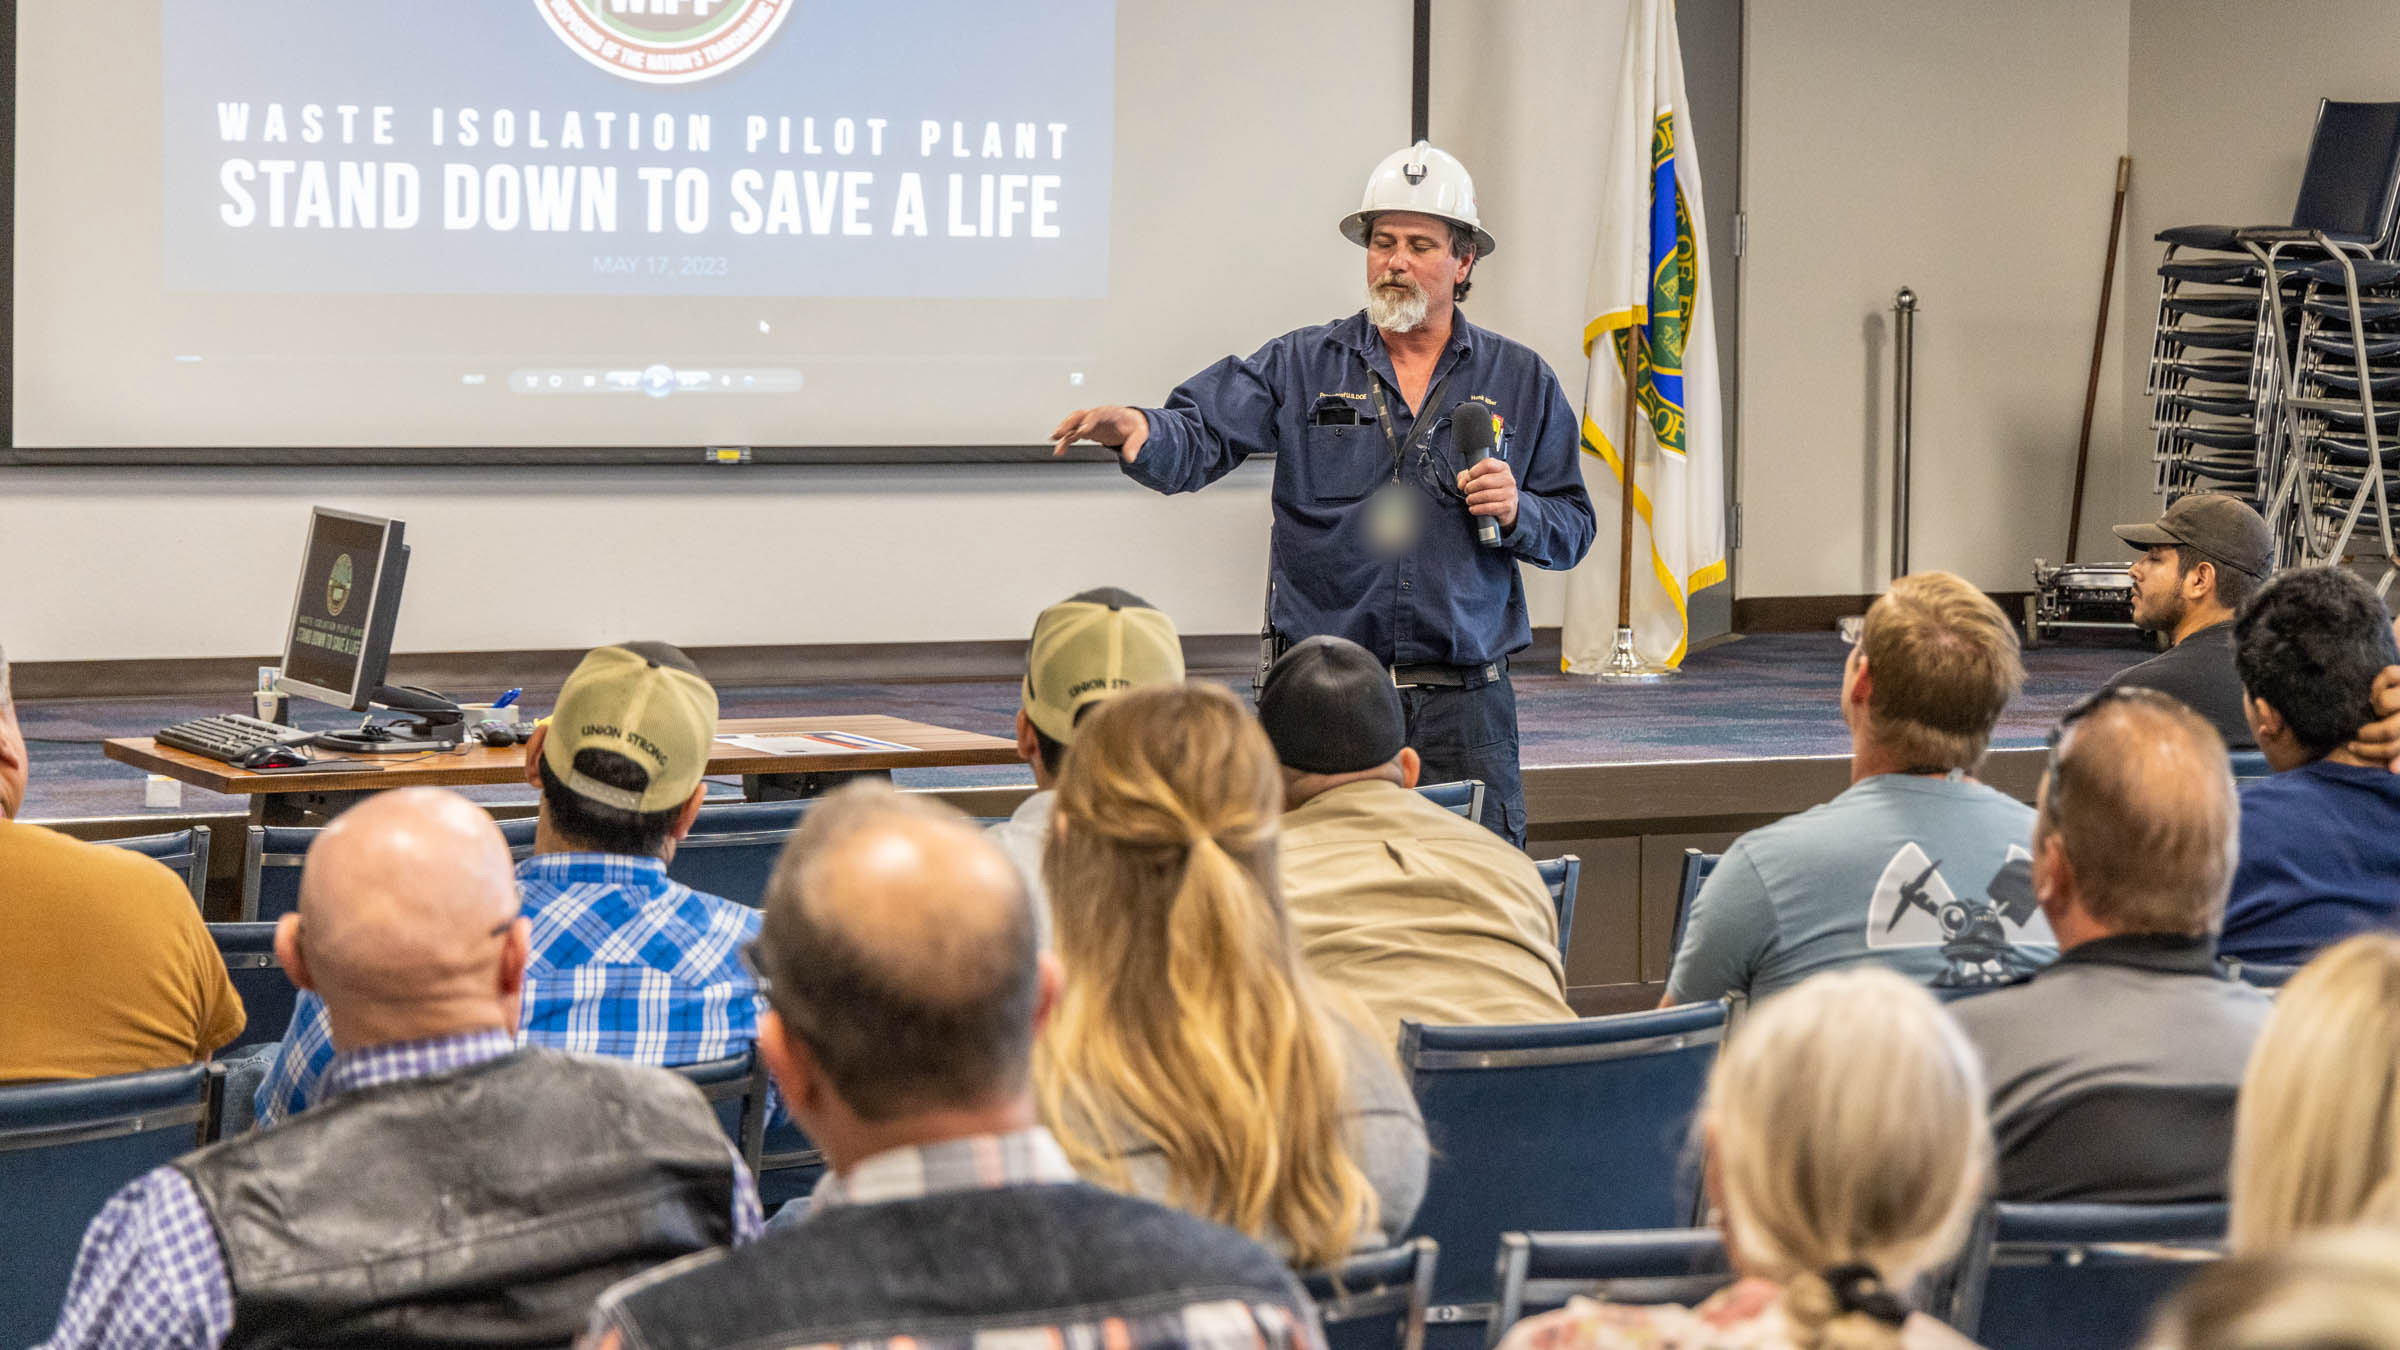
<point x="1762" y="697"/>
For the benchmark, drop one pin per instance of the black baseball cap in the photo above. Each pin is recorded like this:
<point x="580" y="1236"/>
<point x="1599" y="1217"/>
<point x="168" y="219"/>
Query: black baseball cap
<point x="1329" y="707"/>
<point x="2217" y="524"/>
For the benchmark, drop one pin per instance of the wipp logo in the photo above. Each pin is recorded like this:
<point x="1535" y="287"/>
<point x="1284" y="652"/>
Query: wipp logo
<point x="665" y="41"/>
<point x="337" y="586"/>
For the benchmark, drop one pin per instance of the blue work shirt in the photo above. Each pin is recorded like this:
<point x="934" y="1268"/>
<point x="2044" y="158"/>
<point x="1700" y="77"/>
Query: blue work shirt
<point x="2320" y="862"/>
<point x="1443" y="601"/>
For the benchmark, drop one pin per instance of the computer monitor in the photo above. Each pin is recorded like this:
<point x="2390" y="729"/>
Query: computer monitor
<point x="340" y="640"/>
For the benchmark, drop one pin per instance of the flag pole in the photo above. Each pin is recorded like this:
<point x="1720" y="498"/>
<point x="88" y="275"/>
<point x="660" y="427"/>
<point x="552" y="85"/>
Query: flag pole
<point x="1625" y="665"/>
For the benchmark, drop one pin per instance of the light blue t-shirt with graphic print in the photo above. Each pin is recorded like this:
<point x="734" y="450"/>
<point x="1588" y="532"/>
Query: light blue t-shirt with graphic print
<point x="1932" y="877"/>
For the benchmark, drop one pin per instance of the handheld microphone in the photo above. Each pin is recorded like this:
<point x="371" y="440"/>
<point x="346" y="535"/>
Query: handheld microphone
<point x="1471" y="423"/>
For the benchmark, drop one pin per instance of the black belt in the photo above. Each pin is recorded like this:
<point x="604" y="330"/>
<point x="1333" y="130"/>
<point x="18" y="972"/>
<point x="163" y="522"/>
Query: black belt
<point x="1447" y="677"/>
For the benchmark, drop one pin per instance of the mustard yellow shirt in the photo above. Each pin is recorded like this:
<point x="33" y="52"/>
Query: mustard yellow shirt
<point x="106" y="966"/>
<point x="1420" y="913"/>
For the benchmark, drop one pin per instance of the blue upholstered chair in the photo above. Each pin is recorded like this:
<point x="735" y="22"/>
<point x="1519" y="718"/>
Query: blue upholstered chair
<point x="267" y="993"/>
<point x="1464" y="797"/>
<point x="2079" y="1274"/>
<point x="272" y="863"/>
<point x="1541" y="1271"/>
<point x="1376" y="1300"/>
<point x="1562" y="875"/>
<point x="2248" y="764"/>
<point x="1567" y="1125"/>
<point x="65" y="1148"/>
<point x="789" y="1167"/>
<point x="1696" y="867"/>
<point x="736" y="1087"/>
<point x="732" y="848"/>
<point x="2257" y="974"/>
<point x="185" y="853"/>
<point x="271" y="870"/>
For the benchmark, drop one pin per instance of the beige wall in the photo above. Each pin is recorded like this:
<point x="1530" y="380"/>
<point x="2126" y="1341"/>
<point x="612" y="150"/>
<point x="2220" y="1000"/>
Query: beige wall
<point x="194" y="563"/>
<point x="2223" y="95"/>
<point x="1968" y="151"/>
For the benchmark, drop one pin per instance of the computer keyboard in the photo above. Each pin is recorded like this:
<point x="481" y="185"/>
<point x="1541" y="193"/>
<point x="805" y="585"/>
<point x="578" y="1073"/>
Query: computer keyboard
<point x="228" y="737"/>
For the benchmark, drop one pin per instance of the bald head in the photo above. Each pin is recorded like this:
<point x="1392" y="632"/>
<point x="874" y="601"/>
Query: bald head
<point x="407" y="921"/>
<point x="899" y="945"/>
<point x="2140" y="803"/>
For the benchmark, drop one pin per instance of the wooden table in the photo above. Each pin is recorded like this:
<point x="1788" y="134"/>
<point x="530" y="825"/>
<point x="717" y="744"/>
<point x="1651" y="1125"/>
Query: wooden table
<point x="297" y="798"/>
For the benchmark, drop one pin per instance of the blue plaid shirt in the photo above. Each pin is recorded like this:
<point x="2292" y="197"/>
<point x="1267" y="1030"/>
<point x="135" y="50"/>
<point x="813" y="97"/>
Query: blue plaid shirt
<point x="625" y="962"/>
<point x="151" y="1276"/>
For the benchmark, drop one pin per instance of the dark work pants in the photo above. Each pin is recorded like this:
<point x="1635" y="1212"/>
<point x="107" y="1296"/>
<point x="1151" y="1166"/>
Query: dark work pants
<point x="1471" y="733"/>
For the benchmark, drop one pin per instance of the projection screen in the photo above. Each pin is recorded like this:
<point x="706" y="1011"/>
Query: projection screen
<point x="292" y="231"/>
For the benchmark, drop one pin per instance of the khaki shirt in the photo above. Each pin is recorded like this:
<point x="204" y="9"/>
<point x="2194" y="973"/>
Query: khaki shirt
<point x="1419" y="913"/>
<point x="107" y="967"/>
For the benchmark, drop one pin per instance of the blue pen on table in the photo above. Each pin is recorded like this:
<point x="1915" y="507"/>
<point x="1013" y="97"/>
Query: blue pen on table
<point x="505" y="699"/>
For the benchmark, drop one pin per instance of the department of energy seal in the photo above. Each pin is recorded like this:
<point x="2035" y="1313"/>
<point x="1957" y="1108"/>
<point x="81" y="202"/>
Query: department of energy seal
<point x="665" y="41"/>
<point x="337" y="586"/>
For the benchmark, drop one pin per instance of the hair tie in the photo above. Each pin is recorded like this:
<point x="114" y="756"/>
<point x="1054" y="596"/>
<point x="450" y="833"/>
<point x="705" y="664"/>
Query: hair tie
<point x="1858" y="1289"/>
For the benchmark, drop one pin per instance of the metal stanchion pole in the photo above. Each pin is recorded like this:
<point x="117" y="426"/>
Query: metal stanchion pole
<point x="1904" y="371"/>
<point x="1625" y="665"/>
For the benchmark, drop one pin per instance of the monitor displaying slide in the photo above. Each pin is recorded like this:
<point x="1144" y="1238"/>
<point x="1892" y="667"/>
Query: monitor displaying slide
<point x="291" y="224"/>
<point x="342" y="614"/>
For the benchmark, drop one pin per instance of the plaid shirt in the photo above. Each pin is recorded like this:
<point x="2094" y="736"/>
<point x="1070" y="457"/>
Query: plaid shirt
<point x="624" y="962"/>
<point x="151" y="1276"/>
<point x="1028" y="1157"/>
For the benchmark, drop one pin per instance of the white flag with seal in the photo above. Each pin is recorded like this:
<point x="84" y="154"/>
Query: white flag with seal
<point x="1649" y="298"/>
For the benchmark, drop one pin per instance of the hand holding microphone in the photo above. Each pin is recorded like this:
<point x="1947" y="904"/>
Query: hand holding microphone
<point x="1490" y="485"/>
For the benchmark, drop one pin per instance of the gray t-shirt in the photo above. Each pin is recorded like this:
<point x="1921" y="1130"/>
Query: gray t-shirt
<point x="2114" y="1072"/>
<point x="1930" y="876"/>
<point x="1023" y="837"/>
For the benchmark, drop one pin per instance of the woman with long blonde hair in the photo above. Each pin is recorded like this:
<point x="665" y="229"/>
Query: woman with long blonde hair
<point x="1847" y="1150"/>
<point x="2316" y="1133"/>
<point x="2339" y="1287"/>
<point x="1191" y="1057"/>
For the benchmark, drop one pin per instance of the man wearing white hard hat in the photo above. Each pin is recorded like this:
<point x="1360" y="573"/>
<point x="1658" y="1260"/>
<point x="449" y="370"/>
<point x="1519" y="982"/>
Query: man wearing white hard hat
<point x="1375" y="422"/>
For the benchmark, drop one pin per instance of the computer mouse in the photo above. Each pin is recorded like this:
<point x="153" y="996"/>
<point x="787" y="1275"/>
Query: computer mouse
<point x="274" y="757"/>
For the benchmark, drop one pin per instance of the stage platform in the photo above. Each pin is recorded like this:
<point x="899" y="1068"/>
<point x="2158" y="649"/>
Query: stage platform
<point x="1626" y="778"/>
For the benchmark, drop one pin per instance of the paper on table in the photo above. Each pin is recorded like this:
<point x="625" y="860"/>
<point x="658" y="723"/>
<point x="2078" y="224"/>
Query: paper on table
<point x="813" y="743"/>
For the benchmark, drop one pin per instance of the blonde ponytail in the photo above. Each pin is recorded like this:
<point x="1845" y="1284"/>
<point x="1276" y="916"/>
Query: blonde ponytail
<point x="1850" y="1148"/>
<point x="1187" y="1024"/>
<point x="1819" y="1319"/>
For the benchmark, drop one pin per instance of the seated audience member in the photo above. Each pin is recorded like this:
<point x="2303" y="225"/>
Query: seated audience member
<point x="1847" y="1153"/>
<point x="1193" y="1058"/>
<point x="625" y="961"/>
<point x="2320" y="855"/>
<point x="905" y="986"/>
<point x="2316" y="1142"/>
<point x="2337" y="1290"/>
<point x="1413" y="910"/>
<point x="1085" y="648"/>
<point x="107" y="967"/>
<point x="1917" y="865"/>
<point x="2202" y="559"/>
<point x="2113" y="1072"/>
<point x="450" y="1189"/>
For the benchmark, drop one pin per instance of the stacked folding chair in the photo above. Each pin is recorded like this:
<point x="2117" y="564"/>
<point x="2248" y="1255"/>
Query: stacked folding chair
<point x="2213" y="379"/>
<point x="2334" y="490"/>
<point x="2273" y="344"/>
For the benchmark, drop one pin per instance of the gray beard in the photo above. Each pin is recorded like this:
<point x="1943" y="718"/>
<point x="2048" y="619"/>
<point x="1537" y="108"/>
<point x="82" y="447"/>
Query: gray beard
<point x="1396" y="314"/>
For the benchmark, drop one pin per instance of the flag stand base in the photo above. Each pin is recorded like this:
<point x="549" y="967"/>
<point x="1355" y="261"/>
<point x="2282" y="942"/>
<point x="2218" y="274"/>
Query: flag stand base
<point x="1626" y="666"/>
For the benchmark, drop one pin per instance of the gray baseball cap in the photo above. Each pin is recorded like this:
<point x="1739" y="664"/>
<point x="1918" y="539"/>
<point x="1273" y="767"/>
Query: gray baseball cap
<point x="2217" y="524"/>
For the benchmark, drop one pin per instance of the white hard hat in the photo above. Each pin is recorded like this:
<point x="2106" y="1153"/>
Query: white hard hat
<point x="1422" y="179"/>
